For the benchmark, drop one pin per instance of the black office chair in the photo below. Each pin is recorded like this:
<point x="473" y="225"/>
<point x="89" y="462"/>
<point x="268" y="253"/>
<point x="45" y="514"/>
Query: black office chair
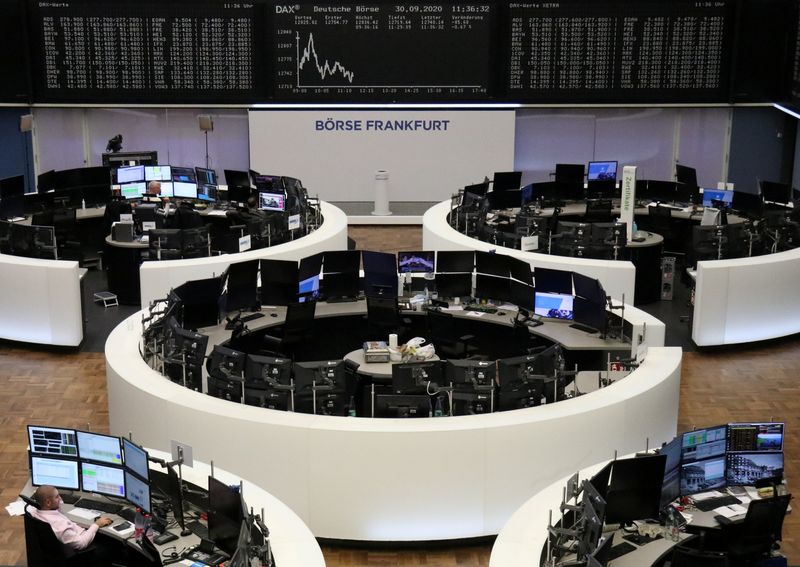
<point x="66" y="230"/>
<point x="683" y="556"/>
<point x="443" y="333"/>
<point x="44" y="550"/>
<point x="195" y="242"/>
<point x="42" y="218"/>
<point x="298" y="332"/>
<point x="383" y="318"/>
<point x="186" y="217"/>
<point x="760" y="531"/>
<point x="598" y="210"/>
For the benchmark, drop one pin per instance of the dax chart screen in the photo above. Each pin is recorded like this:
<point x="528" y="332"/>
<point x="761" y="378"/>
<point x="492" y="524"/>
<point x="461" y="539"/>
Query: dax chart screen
<point x="383" y="51"/>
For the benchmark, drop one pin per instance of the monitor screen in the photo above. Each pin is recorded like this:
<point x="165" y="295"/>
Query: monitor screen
<point x="522" y="295"/>
<point x="634" y="490"/>
<point x="206" y="192"/>
<point x="205" y="176"/>
<point x="103" y="479"/>
<point x="184" y="174"/>
<point x="225" y="515"/>
<point x="590" y="314"/>
<point x="130" y="174"/>
<point x="100" y="448"/>
<point x="52" y="441"/>
<point x="416" y="262"/>
<point x="235" y="178"/>
<point x="703" y="443"/>
<point x="602" y="170"/>
<point x="455" y="261"/>
<point x="752" y="437"/>
<point x="749" y="203"/>
<point x="699" y="476"/>
<point x="454" y="285"/>
<point x="308" y="288"/>
<point x="414" y="377"/>
<point x="686" y="175"/>
<point x="775" y="192"/>
<point x="589" y="288"/>
<point x="711" y="195"/>
<point x="167" y="189"/>
<point x="744" y="469"/>
<point x="554" y="281"/>
<point x="61" y="473"/>
<point x="133" y="190"/>
<point x="185" y="190"/>
<point x="137" y="492"/>
<point x="673" y="452"/>
<point x="271" y="202"/>
<point x="505" y="180"/>
<point x="156" y="173"/>
<point x="136" y="458"/>
<point x="492" y="264"/>
<point x="553" y="305"/>
<point x="492" y="287"/>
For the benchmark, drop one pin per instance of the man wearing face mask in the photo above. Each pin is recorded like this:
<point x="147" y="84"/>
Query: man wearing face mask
<point x="67" y="532"/>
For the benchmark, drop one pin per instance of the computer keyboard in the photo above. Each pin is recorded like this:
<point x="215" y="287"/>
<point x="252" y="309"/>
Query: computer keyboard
<point x="481" y="308"/>
<point x="251" y="317"/>
<point x="619" y="550"/>
<point x="197" y="528"/>
<point x="584" y="328"/>
<point x="100" y="506"/>
<point x="710" y="503"/>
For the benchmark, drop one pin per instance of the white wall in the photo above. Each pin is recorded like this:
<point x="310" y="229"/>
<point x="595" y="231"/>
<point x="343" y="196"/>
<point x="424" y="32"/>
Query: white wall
<point x="424" y="165"/>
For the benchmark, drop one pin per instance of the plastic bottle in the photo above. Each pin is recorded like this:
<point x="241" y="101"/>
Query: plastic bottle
<point x="83" y="203"/>
<point x="351" y="407"/>
<point x="439" y="411"/>
<point x="138" y="524"/>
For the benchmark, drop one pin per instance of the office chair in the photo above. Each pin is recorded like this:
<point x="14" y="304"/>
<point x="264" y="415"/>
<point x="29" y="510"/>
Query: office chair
<point x="65" y="225"/>
<point x="298" y="331"/>
<point x="195" y="242"/>
<point x="598" y="210"/>
<point x="760" y="531"/>
<point x="44" y="550"/>
<point x="42" y="218"/>
<point x="186" y="217"/>
<point x="683" y="556"/>
<point x="443" y="333"/>
<point x="383" y="318"/>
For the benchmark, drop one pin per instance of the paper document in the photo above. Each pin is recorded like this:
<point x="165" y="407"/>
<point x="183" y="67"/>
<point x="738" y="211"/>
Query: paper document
<point x="700" y="496"/>
<point x="731" y="511"/>
<point x="16" y="508"/>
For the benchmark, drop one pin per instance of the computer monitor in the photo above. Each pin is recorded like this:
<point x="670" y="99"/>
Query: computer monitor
<point x="590" y="314"/>
<point x="455" y="261"/>
<point x="776" y="192"/>
<point x="588" y="288"/>
<point x="720" y="198"/>
<point x="686" y="175"/>
<point x="703" y="443"/>
<point x="522" y="295"/>
<point x="602" y="170"/>
<point x="702" y="475"/>
<point x="205" y="192"/>
<point x="135" y="459"/>
<point x="508" y="199"/>
<point x="205" y="176"/>
<point x="687" y="194"/>
<point x="403" y="405"/>
<point x="341" y="286"/>
<point x="242" y="286"/>
<point x="480" y="373"/>
<point x="744" y="469"/>
<point x="271" y="201"/>
<point x="99" y="448"/>
<point x="268" y="183"/>
<point x="323" y="373"/>
<point x="235" y="178"/>
<point x="52" y="471"/>
<point x="225" y="515"/>
<point x="238" y="194"/>
<point x="380" y="273"/>
<point x="133" y="190"/>
<point x="601" y="555"/>
<point x="200" y="301"/>
<point x="267" y="371"/>
<point x="492" y="264"/>
<point x="478" y="189"/>
<point x="492" y="287"/>
<point x="553" y="305"/>
<point x="656" y="191"/>
<point x="184" y="182"/>
<point x="102" y="479"/>
<point x="748" y="203"/>
<point x="308" y="289"/>
<point x="414" y="377"/>
<point x="454" y="285"/>
<point x="554" y="281"/>
<point x="672" y="451"/>
<point x="157" y="173"/>
<point x="337" y="261"/>
<point x="634" y="489"/>
<point x="755" y="437"/>
<point x="506" y="180"/>
<point x="569" y="173"/>
<point x="53" y="441"/>
<point x="278" y="282"/>
<point x="420" y="261"/>
<point x="130" y="174"/>
<point x="137" y="492"/>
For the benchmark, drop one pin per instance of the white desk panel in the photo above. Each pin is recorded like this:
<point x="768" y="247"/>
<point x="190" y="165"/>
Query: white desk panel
<point x="40" y="301"/>
<point x="618" y="277"/>
<point x="157" y="278"/>
<point x="394" y="479"/>
<point x="746" y="299"/>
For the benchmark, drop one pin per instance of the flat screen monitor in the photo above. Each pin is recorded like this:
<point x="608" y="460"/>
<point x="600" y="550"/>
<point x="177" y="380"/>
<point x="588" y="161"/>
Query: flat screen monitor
<point x="380" y="273"/>
<point x="492" y="287"/>
<point x="600" y="479"/>
<point x="419" y="261"/>
<point x="339" y="261"/>
<point x="61" y="473"/>
<point x="200" y="301"/>
<point x="225" y="515"/>
<point x="744" y="469"/>
<point x="656" y="191"/>
<point x="96" y="195"/>
<point x="481" y="373"/>
<point x="687" y="194"/>
<point x="403" y="405"/>
<point x="268" y="183"/>
<point x="686" y="175"/>
<point x="342" y="286"/>
<point x="205" y="176"/>
<point x="53" y="441"/>
<point x="137" y="492"/>
<point x="167" y="189"/>
<point x="671" y="487"/>
<point x="205" y="192"/>
<point x="308" y="288"/>
<point x="492" y="264"/>
<point x="776" y="192"/>
<point x="672" y="451"/>
<point x="527" y="194"/>
<point x="99" y="448"/>
<point x="135" y="459"/>
<point x="522" y="295"/>
<point x="267" y="371"/>
<point x="634" y="489"/>
<point x="242" y="286"/>
<point x="12" y="207"/>
<point x="102" y="479"/>
<point x="506" y="180"/>
<point x="590" y="314"/>
<point x="569" y="173"/>
<point x="508" y="199"/>
<point x="717" y="198"/>
<point x="702" y="475"/>
<point x="234" y="178"/>
<point x="12" y="187"/>
<point x="184" y="190"/>
<point x="554" y="281"/>
<point x="554" y="305"/>
<point x="271" y="201"/>
<point x="600" y="556"/>
<point x="755" y="437"/>
<point x="455" y="261"/>
<point x="520" y="270"/>
<point x="748" y="203"/>
<point x="328" y="373"/>
<point x="279" y="281"/>
<point x="133" y="190"/>
<point x="588" y="288"/>
<point x="454" y="285"/>
<point x="703" y="443"/>
<point x="310" y="266"/>
<point x="130" y="174"/>
<point x="602" y="170"/>
<point x="237" y="194"/>
<point x="478" y="189"/>
<point x="157" y="173"/>
<point x="414" y="377"/>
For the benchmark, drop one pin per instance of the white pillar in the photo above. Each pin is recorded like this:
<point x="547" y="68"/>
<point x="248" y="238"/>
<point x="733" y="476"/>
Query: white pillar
<point x="381" y="193"/>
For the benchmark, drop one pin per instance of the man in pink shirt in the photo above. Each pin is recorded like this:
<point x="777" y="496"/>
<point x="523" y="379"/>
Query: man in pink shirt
<point x="68" y="532"/>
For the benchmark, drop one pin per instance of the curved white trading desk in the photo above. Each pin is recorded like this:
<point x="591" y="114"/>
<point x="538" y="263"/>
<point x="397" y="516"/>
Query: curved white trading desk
<point x="157" y="278"/>
<point x="746" y="299"/>
<point x="293" y="544"/>
<point x="395" y="479"/>
<point x="40" y="301"/>
<point x="618" y="277"/>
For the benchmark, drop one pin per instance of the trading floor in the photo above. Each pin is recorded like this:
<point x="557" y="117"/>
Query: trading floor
<point x="68" y="388"/>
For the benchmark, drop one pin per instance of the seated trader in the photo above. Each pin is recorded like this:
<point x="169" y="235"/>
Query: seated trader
<point x="67" y="532"/>
<point x="248" y="214"/>
<point x="154" y="193"/>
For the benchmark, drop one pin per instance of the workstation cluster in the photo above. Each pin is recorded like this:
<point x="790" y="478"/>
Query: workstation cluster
<point x="150" y="508"/>
<point x="678" y="487"/>
<point x="257" y="366"/>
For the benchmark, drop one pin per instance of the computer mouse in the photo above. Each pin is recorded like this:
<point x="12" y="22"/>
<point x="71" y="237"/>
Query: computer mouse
<point x="501" y="313"/>
<point x="273" y="314"/>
